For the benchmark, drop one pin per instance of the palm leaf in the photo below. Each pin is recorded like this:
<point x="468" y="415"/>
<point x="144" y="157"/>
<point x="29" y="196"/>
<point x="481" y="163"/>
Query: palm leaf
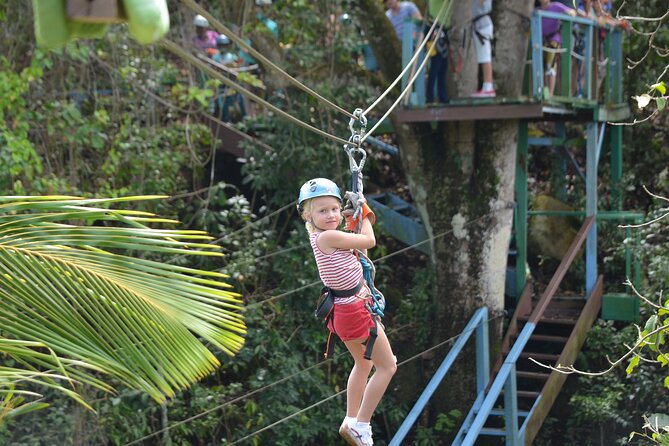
<point x="74" y="289"/>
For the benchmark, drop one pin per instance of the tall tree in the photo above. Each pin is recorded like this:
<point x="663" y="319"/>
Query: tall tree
<point x="461" y="175"/>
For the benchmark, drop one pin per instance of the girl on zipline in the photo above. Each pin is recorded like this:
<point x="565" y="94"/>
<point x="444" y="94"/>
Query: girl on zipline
<point x="351" y="319"/>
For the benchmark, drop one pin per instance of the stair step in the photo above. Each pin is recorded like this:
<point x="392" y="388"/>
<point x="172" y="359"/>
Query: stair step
<point x="540" y="356"/>
<point x="527" y="394"/>
<point x="552" y="319"/>
<point x="548" y="338"/>
<point x="533" y="375"/>
<point x="523" y="393"/>
<point x="498" y="432"/>
<point x="501" y="412"/>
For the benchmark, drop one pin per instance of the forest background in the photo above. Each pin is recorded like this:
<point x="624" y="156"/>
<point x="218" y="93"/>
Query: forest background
<point x="109" y="118"/>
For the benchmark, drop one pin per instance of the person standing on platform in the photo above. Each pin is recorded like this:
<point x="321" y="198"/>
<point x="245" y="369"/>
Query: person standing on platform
<point x="398" y="12"/>
<point x="482" y="30"/>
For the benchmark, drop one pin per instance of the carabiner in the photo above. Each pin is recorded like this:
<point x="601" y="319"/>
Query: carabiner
<point x="358" y="117"/>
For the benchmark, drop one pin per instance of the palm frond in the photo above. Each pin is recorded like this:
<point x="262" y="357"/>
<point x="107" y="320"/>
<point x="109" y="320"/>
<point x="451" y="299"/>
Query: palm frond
<point x="73" y="289"/>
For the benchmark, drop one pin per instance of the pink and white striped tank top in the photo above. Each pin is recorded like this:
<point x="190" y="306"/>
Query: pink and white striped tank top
<point x="340" y="270"/>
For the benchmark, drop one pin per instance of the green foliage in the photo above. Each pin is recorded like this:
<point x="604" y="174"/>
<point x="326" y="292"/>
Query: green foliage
<point x="446" y="424"/>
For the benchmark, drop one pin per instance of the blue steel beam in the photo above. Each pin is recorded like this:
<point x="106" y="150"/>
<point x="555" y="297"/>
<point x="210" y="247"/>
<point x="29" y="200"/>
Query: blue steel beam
<point x="508" y="367"/>
<point x="591" y="208"/>
<point x="479" y="318"/>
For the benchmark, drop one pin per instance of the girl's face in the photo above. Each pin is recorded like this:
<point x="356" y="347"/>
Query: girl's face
<point x="324" y="213"/>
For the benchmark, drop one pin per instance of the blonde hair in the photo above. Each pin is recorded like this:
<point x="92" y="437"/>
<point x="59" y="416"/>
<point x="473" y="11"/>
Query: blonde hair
<point x="306" y="207"/>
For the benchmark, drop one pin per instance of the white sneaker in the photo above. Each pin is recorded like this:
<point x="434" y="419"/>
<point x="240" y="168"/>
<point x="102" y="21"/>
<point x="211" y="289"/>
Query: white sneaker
<point x="362" y="434"/>
<point x="484" y="94"/>
<point x="347" y="434"/>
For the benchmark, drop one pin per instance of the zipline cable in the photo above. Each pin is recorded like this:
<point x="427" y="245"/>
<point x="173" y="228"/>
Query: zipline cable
<point x="218" y="26"/>
<point x="248" y="394"/>
<point x="169" y="104"/>
<point x="243" y="228"/>
<point x="318" y="403"/>
<point x="397" y="101"/>
<point x="445" y="9"/>
<point x="440" y="15"/>
<point x="180" y="52"/>
<point x="380" y="259"/>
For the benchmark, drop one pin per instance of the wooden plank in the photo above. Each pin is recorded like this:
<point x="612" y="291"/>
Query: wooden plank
<point x="470" y="112"/>
<point x="548" y="338"/>
<point x="532" y="375"/>
<point x="541" y="356"/>
<point x="229" y="138"/>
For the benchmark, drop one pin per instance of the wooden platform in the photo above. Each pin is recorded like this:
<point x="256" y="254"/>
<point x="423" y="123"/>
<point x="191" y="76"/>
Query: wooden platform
<point x="557" y="108"/>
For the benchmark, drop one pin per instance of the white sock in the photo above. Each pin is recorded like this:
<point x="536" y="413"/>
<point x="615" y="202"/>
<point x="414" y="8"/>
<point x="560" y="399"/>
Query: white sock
<point x="487" y="86"/>
<point x="361" y="424"/>
<point x="350" y="421"/>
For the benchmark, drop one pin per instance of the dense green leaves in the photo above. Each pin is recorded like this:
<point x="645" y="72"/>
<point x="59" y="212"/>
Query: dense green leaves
<point x="72" y="289"/>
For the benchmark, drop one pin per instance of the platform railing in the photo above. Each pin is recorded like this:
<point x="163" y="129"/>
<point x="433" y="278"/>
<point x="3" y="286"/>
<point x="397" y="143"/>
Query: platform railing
<point x="598" y="52"/>
<point x="595" y="52"/>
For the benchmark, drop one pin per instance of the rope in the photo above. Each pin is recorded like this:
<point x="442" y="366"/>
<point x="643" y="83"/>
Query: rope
<point x="441" y="14"/>
<point x="218" y="26"/>
<point x="380" y="259"/>
<point x="246" y="395"/>
<point x="223" y="29"/>
<point x="325" y="400"/>
<point x="180" y="52"/>
<point x="182" y="110"/>
<point x="287" y="378"/>
<point x="397" y="101"/>
<point x="243" y="228"/>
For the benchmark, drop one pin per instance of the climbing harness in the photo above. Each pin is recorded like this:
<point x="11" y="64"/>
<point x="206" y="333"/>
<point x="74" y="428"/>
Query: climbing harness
<point x="325" y="309"/>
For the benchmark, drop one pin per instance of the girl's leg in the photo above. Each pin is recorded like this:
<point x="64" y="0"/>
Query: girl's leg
<point x="386" y="365"/>
<point x="357" y="380"/>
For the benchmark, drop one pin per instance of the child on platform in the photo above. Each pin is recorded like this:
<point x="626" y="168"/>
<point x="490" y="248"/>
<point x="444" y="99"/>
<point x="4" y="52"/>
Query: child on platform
<point x="319" y="204"/>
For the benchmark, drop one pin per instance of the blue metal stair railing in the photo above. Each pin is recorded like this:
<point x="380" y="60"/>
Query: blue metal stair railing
<point x="478" y="323"/>
<point x="506" y="377"/>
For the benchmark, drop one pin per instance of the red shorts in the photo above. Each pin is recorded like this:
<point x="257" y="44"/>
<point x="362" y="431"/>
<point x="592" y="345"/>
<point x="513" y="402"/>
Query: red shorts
<point x="351" y="321"/>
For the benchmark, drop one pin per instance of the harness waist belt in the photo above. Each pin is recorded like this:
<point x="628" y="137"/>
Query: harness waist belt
<point x="348" y="293"/>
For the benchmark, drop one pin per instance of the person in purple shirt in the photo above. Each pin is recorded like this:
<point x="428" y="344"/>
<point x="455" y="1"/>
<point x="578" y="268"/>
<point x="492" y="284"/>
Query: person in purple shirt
<point x="204" y="38"/>
<point x="550" y="30"/>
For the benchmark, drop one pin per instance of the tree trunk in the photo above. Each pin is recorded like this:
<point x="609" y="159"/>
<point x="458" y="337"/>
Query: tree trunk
<point x="461" y="175"/>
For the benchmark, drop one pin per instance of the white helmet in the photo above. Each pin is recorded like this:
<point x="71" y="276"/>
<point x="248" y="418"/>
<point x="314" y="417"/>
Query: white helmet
<point x="200" y="21"/>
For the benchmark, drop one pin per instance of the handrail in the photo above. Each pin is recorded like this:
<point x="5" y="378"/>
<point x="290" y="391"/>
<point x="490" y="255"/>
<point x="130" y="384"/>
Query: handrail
<point x="478" y="322"/>
<point x="613" y="50"/>
<point x="507" y="373"/>
<point x="562" y="270"/>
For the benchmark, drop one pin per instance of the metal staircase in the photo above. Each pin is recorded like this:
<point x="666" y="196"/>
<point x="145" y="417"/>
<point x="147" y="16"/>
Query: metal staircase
<point x="514" y="402"/>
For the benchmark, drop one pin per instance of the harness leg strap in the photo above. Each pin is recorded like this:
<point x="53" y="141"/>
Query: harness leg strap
<point x="373" y="333"/>
<point x="329" y="348"/>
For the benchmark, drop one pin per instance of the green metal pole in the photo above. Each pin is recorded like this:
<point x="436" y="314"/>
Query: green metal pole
<point x="566" y="60"/>
<point x="616" y="167"/>
<point x="559" y="170"/>
<point x="521" y="207"/>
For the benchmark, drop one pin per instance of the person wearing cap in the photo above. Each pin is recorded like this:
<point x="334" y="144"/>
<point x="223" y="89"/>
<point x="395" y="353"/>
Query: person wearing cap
<point x="227" y="97"/>
<point x="204" y="38"/>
